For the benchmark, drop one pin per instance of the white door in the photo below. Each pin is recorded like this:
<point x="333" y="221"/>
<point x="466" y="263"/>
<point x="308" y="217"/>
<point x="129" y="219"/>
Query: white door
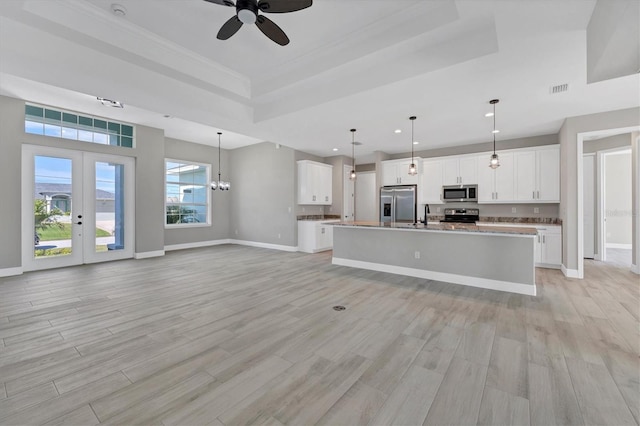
<point x="504" y="187"/>
<point x="548" y="175"/>
<point x="486" y="180"/>
<point x="450" y="175"/>
<point x="525" y="175"/>
<point x="77" y="207"/>
<point x="431" y="181"/>
<point x="348" y="195"/>
<point x="589" y="200"/>
<point x="468" y="170"/>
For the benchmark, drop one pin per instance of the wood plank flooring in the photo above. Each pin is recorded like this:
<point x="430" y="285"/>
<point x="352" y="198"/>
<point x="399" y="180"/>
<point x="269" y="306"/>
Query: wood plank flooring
<point x="233" y="335"/>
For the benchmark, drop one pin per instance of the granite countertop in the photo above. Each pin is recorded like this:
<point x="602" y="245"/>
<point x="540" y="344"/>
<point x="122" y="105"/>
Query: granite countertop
<point x="318" y="217"/>
<point x="455" y="227"/>
<point x="514" y="220"/>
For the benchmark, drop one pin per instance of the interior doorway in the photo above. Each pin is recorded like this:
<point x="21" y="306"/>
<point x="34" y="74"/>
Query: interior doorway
<point x="78" y="207"/>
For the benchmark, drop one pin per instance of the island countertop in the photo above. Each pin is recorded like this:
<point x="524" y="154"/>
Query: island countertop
<point x="454" y="227"/>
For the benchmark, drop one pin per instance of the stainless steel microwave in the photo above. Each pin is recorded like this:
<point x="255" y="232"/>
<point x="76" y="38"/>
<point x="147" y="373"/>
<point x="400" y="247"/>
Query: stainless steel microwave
<point x="459" y="193"/>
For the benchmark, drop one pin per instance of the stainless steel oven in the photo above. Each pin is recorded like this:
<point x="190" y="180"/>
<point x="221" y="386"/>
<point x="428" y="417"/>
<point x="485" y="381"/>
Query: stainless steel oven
<point x="458" y="193"/>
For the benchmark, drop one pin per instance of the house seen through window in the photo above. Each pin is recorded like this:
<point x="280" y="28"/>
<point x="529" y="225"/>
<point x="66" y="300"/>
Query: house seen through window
<point x="187" y="193"/>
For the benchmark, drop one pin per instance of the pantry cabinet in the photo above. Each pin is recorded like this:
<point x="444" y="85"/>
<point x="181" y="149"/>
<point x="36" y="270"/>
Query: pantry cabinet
<point x="315" y="183"/>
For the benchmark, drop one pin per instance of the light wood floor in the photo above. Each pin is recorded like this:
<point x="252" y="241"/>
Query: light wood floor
<point x="233" y="335"/>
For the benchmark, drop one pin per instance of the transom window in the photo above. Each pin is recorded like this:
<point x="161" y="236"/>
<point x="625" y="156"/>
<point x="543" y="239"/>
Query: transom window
<point x="61" y="124"/>
<point x="187" y="194"/>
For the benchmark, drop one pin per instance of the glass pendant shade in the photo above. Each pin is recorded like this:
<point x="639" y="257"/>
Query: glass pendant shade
<point x="353" y="174"/>
<point x="413" y="169"/>
<point x="495" y="161"/>
<point x="220" y="184"/>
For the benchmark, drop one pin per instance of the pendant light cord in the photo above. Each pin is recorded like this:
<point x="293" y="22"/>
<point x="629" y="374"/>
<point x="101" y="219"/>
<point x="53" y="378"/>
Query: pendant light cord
<point x="219" y="135"/>
<point x="412" y="138"/>
<point x="494" y="128"/>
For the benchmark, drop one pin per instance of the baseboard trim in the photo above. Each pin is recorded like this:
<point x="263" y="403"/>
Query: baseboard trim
<point x="569" y="273"/>
<point x="618" y="246"/>
<point x="147" y="254"/>
<point x="547" y="265"/>
<point x="507" y="286"/>
<point x="10" y="272"/>
<point x="196" y="244"/>
<point x="265" y="245"/>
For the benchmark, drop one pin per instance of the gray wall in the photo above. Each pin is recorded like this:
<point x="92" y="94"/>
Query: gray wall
<point x="263" y="189"/>
<point x="611" y="142"/>
<point x="620" y="119"/>
<point x="220" y="200"/>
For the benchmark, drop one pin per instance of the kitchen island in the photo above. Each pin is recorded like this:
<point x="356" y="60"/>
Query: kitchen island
<point x="497" y="258"/>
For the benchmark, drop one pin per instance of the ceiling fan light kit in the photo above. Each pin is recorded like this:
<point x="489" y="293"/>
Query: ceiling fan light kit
<point x="247" y="12"/>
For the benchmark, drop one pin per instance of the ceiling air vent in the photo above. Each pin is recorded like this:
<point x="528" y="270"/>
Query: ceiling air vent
<point x="559" y="88"/>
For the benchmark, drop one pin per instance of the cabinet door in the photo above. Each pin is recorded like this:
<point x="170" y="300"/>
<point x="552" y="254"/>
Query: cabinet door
<point x="389" y="174"/>
<point x="486" y="177"/>
<point x="525" y="172"/>
<point x="468" y="170"/>
<point x="504" y="181"/>
<point x="325" y="184"/>
<point x="538" y="248"/>
<point x="552" y="248"/>
<point x="305" y="183"/>
<point x="548" y="175"/>
<point x="450" y="175"/>
<point x="431" y="181"/>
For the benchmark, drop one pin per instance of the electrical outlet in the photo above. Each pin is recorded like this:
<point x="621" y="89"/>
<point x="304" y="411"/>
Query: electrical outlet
<point x="417" y="255"/>
<point x="437" y="209"/>
<point x="513" y="210"/>
<point x="536" y="210"/>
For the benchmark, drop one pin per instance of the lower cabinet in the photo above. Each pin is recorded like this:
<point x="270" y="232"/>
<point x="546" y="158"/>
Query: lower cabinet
<point x="315" y="236"/>
<point x="549" y="247"/>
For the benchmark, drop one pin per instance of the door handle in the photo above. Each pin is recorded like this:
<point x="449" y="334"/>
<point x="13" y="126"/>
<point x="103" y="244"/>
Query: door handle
<point x="538" y="237"/>
<point x="533" y="194"/>
<point x="543" y="239"/>
<point x="538" y="194"/>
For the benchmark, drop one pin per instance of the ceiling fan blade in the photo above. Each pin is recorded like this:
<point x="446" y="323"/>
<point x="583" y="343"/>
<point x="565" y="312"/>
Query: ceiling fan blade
<point x="222" y="2"/>
<point x="229" y="28"/>
<point x="271" y="30"/>
<point x="283" y="6"/>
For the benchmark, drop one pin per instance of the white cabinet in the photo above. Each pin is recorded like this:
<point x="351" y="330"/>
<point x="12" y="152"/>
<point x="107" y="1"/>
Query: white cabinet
<point x="548" y="249"/>
<point x="460" y="170"/>
<point x="396" y="172"/>
<point x="431" y="181"/>
<point x="495" y="185"/>
<point x="538" y="175"/>
<point x="315" y="236"/>
<point x="314" y="183"/>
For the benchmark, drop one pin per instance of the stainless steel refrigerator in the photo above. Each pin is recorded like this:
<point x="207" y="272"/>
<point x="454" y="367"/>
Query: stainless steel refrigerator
<point x="398" y="203"/>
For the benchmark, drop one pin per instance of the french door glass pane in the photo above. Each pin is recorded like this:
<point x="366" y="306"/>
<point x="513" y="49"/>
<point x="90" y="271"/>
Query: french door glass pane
<point x="52" y="206"/>
<point x="110" y="226"/>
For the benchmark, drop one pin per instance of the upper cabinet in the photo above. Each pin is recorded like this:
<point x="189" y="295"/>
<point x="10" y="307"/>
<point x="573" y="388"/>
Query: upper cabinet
<point x="431" y="185"/>
<point x="315" y="183"/>
<point x="396" y="172"/>
<point x="538" y="175"/>
<point x="495" y="185"/>
<point x="530" y="175"/>
<point x="460" y="171"/>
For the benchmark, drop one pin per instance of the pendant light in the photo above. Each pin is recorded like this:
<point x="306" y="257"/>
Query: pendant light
<point x="494" y="163"/>
<point x="352" y="175"/>
<point x="220" y="184"/>
<point x="413" y="170"/>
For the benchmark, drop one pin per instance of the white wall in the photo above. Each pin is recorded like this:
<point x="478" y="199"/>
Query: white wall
<point x="617" y="200"/>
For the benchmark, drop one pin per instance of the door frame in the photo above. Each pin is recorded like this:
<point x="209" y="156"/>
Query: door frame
<point x="83" y="179"/>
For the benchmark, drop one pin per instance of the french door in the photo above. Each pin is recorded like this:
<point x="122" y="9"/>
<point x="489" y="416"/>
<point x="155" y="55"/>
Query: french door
<point x="78" y="207"/>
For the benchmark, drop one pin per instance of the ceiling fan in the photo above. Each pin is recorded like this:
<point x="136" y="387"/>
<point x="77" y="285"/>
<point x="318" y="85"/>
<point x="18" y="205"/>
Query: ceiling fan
<point x="247" y="13"/>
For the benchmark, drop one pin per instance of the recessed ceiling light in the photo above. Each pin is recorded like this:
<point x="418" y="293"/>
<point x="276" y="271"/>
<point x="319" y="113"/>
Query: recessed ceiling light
<point x="397" y="131"/>
<point x="335" y="149"/>
<point x="495" y="131"/>
<point x="489" y="114"/>
<point x="109" y="102"/>
<point x="416" y="142"/>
